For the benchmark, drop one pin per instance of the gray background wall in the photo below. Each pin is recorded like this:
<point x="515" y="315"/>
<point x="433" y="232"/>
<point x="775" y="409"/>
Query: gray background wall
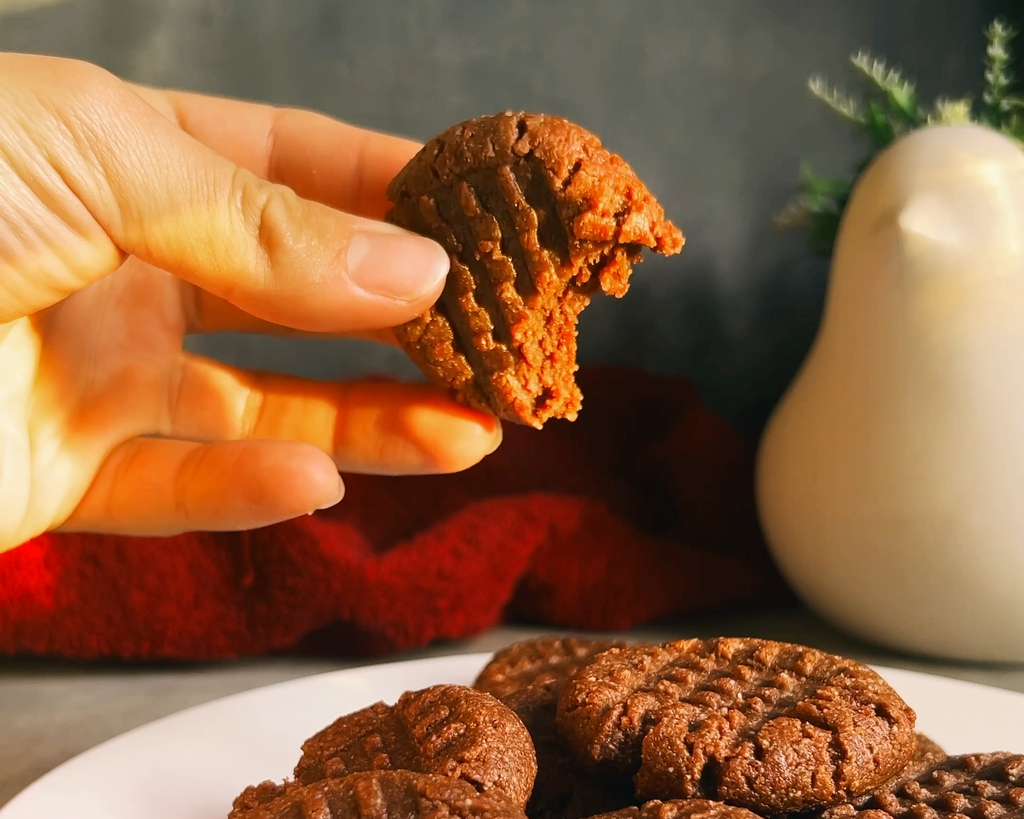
<point x="705" y="98"/>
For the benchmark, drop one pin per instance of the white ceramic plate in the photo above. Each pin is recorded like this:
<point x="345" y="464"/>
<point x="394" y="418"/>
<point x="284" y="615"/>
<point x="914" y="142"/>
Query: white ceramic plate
<point x="192" y="764"/>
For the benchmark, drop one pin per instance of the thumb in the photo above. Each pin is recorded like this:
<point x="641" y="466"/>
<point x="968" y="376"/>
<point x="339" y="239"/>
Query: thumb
<point x="96" y="173"/>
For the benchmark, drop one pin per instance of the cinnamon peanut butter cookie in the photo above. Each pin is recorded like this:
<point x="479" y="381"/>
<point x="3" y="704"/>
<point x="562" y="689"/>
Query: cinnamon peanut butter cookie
<point x="563" y="789"/>
<point x="541" y="660"/>
<point x="975" y="786"/>
<point x="536" y="217"/>
<point x="447" y="730"/>
<point x="769" y="726"/>
<point x="375" y="795"/>
<point x="681" y="809"/>
<point x="927" y="751"/>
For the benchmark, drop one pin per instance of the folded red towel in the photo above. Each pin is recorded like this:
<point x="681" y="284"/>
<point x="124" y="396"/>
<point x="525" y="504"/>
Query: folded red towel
<point x="640" y="510"/>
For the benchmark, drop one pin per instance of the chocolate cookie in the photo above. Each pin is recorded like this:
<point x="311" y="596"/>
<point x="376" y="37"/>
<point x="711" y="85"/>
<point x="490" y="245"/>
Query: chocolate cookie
<point x="977" y="786"/>
<point x="256" y="795"/>
<point x="927" y="751"/>
<point x="540" y="660"/>
<point x="536" y="217"/>
<point x="449" y="730"/>
<point x="681" y="809"/>
<point x="769" y="726"/>
<point x="563" y="789"/>
<point x="379" y="794"/>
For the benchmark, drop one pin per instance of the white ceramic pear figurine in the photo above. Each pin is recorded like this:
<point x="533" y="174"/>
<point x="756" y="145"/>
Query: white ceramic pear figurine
<point x="890" y="478"/>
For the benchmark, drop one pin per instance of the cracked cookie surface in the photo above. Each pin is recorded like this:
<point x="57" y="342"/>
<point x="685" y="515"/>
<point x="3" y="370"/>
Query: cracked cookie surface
<point x="773" y="727"/>
<point x="536" y="217"/>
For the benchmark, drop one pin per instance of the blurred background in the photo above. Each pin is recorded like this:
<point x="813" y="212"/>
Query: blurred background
<point x="705" y="98"/>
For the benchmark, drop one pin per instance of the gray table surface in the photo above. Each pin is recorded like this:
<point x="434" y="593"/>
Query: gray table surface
<point x="49" y="712"/>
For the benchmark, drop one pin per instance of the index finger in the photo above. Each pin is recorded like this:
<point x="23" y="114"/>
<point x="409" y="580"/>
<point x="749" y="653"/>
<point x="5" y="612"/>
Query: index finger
<point x="319" y="158"/>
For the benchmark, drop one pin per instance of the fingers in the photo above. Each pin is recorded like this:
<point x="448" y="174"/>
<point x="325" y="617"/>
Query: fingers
<point x="319" y="158"/>
<point x="205" y="313"/>
<point x="161" y="488"/>
<point x="377" y="427"/>
<point x="98" y="173"/>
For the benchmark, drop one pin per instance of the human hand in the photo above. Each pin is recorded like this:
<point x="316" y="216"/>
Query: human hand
<point x="130" y="218"/>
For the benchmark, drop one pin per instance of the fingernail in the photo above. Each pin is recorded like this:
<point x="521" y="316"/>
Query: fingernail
<point x="399" y="266"/>
<point x="338" y="495"/>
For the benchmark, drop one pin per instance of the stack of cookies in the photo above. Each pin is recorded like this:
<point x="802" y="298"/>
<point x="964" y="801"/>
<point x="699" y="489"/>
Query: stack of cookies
<point x="727" y="728"/>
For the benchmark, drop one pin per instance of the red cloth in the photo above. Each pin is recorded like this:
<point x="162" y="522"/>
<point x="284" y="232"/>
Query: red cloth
<point x="640" y="510"/>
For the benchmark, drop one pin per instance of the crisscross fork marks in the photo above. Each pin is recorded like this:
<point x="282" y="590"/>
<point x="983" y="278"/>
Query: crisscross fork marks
<point x="379" y="795"/>
<point x="756" y="681"/>
<point x="445" y="729"/>
<point x="371" y="802"/>
<point x="496" y="258"/>
<point x="770" y="726"/>
<point x="467" y="733"/>
<point x="510" y="253"/>
<point x="536" y="216"/>
<point x="313" y="805"/>
<point x="974" y="786"/>
<point x="540" y="660"/>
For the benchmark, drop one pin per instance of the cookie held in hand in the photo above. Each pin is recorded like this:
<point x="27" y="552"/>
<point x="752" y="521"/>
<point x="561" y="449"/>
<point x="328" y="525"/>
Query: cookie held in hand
<point x="536" y="217"/>
<point x="773" y="727"/>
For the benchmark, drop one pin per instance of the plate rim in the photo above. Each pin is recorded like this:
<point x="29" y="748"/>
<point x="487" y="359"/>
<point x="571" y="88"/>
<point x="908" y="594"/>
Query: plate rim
<point x="476" y="659"/>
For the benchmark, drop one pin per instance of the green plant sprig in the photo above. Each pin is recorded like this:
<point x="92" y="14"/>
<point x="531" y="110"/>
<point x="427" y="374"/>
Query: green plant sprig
<point x="999" y="107"/>
<point x="891" y="110"/>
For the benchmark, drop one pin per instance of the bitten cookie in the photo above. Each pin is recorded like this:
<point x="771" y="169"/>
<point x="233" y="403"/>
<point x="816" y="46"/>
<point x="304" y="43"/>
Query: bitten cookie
<point x="448" y="730"/>
<point x="541" y="660"/>
<point x="536" y="217"/>
<point x="769" y="726"/>
<point x="975" y="786"/>
<point x="374" y="795"/>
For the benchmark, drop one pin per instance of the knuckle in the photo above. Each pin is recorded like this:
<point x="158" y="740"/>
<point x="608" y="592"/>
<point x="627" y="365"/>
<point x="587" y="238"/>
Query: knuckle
<point x="84" y="75"/>
<point x="62" y="99"/>
<point x="185" y="483"/>
<point x="342" y="433"/>
<point x="93" y="83"/>
<point x="124" y="463"/>
<point x="67" y="79"/>
<point x="56" y="162"/>
<point x="88" y="106"/>
<point x="252" y="414"/>
<point x="176" y="386"/>
<point x="268" y="214"/>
